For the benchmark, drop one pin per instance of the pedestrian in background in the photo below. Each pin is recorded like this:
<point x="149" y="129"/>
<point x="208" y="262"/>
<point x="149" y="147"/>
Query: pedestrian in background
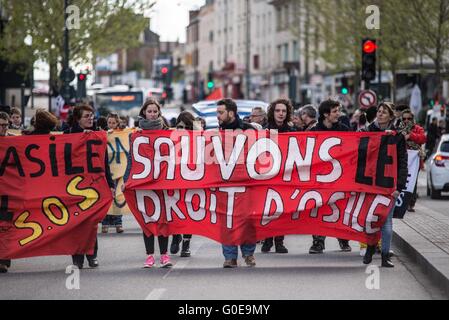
<point x="16" y="119"/>
<point x="433" y="135"/>
<point x="297" y="120"/>
<point x="279" y="117"/>
<point x="44" y="122"/>
<point x="259" y="116"/>
<point x="309" y="117"/>
<point x="415" y="137"/>
<point x="384" y="122"/>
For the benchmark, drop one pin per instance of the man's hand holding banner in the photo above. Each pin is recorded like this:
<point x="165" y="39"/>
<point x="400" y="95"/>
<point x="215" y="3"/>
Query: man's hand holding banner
<point x="238" y="187"/>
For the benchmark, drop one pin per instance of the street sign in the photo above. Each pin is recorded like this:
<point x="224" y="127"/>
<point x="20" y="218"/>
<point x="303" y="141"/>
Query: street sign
<point x="367" y="98"/>
<point x="67" y="75"/>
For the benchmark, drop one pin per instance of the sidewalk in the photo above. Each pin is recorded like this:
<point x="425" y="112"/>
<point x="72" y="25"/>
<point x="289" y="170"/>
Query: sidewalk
<point x="424" y="236"/>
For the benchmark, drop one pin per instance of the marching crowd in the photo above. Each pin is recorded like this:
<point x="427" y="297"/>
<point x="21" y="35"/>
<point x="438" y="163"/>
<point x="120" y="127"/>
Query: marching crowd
<point x="398" y="121"/>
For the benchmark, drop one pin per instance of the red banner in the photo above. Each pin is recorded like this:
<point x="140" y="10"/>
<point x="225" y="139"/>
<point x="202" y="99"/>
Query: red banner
<point x="53" y="194"/>
<point x="239" y="187"/>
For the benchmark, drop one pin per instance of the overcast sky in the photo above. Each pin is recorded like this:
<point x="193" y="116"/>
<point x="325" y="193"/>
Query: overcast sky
<point x="170" y="18"/>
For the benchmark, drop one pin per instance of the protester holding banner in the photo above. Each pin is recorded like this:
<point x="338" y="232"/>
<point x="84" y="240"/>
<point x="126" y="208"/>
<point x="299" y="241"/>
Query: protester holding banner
<point x="229" y="119"/>
<point x="385" y="122"/>
<point x="4" y="123"/>
<point x="279" y="116"/>
<point x="83" y="121"/>
<point x="415" y="137"/>
<point x="329" y="115"/>
<point x="150" y="118"/>
<point x="113" y="123"/>
<point x="185" y="121"/>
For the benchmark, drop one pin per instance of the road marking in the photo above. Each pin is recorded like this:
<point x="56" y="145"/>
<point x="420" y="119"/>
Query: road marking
<point x="156" y="294"/>
<point x="182" y="263"/>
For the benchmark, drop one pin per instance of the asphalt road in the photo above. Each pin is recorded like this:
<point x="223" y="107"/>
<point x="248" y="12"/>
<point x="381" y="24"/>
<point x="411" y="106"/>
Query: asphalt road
<point x="296" y="275"/>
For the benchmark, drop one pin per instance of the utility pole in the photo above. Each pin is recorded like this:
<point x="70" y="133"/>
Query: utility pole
<point x="248" y="49"/>
<point x="65" y="65"/>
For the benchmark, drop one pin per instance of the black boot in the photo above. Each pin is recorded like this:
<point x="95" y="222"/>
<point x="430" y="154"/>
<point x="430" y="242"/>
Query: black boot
<point x="370" y="250"/>
<point x="280" y="248"/>
<point x="386" y="262"/>
<point x="267" y="244"/>
<point x="174" y="247"/>
<point x="185" y="251"/>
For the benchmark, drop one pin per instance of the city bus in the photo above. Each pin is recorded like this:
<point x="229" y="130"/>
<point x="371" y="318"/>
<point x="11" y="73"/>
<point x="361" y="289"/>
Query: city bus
<point x="119" y="99"/>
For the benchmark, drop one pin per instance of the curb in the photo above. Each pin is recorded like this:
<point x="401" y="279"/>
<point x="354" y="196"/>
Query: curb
<point x="432" y="260"/>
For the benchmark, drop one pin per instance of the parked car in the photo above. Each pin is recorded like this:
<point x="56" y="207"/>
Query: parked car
<point x="438" y="169"/>
<point x="208" y="110"/>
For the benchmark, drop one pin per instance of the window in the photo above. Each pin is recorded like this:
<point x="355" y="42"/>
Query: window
<point x="256" y="62"/>
<point x="285" y="52"/>
<point x="445" y="147"/>
<point x="295" y="53"/>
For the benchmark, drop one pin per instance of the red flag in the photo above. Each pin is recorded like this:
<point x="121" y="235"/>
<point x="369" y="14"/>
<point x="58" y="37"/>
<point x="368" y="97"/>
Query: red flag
<point x="217" y="94"/>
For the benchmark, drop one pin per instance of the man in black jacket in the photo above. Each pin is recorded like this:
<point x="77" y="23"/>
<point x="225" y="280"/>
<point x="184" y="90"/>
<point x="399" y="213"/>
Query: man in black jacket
<point x="329" y="115"/>
<point x="228" y="119"/>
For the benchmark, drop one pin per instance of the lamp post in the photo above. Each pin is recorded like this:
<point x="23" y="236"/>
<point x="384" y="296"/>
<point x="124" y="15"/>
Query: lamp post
<point x="29" y="42"/>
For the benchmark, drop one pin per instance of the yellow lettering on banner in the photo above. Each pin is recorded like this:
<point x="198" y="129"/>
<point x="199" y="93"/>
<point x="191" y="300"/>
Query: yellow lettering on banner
<point x="21" y="223"/>
<point x="46" y="206"/>
<point x="90" y="195"/>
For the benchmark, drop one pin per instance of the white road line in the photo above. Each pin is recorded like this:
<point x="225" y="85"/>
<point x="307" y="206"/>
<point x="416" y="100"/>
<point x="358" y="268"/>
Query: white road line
<point x="156" y="294"/>
<point x="182" y="263"/>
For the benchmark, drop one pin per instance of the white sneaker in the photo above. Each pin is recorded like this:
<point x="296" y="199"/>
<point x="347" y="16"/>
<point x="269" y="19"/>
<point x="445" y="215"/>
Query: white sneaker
<point x="362" y="252"/>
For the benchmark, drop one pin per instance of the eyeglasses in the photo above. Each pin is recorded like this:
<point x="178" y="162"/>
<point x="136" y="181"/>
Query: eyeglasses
<point x="256" y="115"/>
<point x="180" y="127"/>
<point x="407" y="118"/>
<point x="4" y="125"/>
<point x="88" y="116"/>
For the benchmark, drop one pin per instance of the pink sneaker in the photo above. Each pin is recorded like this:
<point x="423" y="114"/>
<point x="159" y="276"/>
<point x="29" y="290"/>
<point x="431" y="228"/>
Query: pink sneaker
<point x="165" y="261"/>
<point x="149" y="262"/>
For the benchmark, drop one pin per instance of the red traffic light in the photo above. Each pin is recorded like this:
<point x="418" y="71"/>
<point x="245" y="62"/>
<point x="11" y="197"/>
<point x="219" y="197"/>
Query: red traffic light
<point x="81" y="77"/>
<point x="369" y="46"/>
<point x="164" y="70"/>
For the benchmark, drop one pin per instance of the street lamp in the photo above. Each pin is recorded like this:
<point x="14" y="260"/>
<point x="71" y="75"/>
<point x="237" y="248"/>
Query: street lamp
<point x="29" y="42"/>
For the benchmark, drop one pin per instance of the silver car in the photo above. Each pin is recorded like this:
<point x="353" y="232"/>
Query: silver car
<point x="438" y="169"/>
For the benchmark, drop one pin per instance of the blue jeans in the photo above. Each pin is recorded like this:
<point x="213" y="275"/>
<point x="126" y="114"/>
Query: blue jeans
<point x="387" y="232"/>
<point x="232" y="252"/>
<point x="112" y="221"/>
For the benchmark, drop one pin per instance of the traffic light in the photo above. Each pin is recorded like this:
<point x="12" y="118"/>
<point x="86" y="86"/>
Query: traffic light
<point x="344" y="86"/>
<point x="164" y="70"/>
<point x="369" y="50"/>
<point x="210" y="81"/>
<point x="81" y="92"/>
